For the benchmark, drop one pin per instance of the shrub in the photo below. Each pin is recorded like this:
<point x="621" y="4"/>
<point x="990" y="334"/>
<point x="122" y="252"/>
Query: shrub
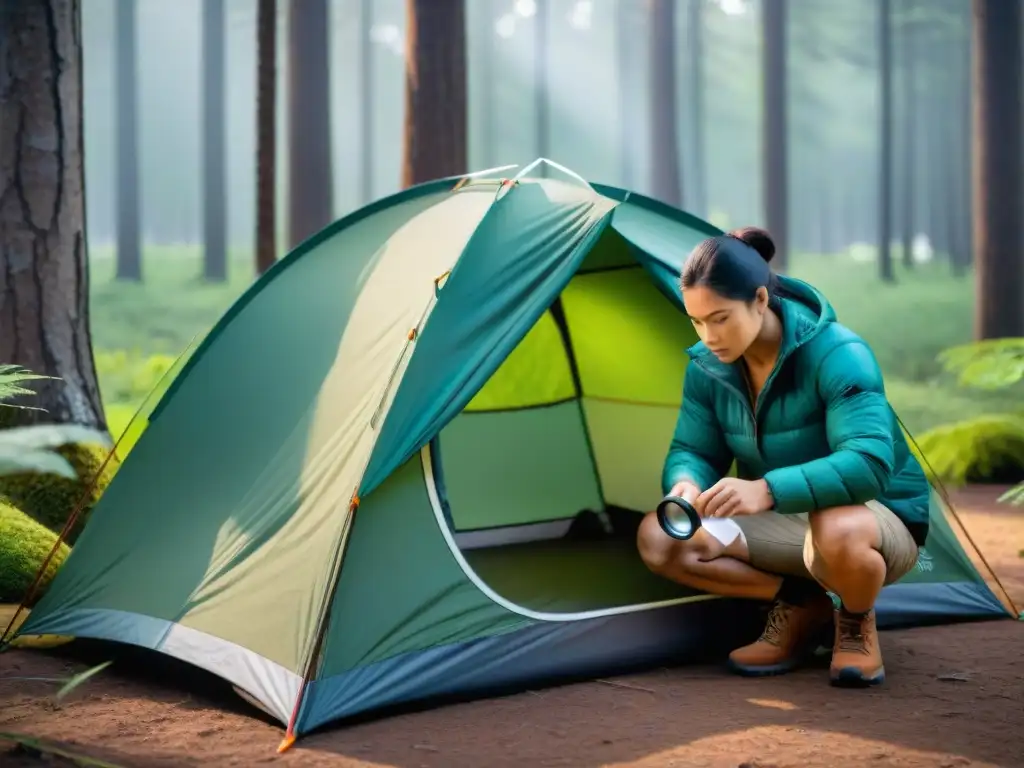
<point x="24" y="545"/>
<point x="983" y="449"/>
<point x="987" y="448"/>
<point x="50" y="498"/>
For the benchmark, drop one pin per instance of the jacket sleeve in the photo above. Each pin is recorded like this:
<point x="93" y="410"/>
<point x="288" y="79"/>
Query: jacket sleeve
<point x="859" y="426"/>
<point x="698" y="452"/>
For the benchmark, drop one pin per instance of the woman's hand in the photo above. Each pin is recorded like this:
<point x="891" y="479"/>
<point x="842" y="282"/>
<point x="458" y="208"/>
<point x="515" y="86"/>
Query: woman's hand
<point x="684" y="489"/>
<point x="732" y="496"/>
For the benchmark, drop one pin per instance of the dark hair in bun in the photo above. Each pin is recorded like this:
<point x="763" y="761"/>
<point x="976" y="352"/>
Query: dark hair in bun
<point x="733" y="265"/>
<point x="758" y="239"/>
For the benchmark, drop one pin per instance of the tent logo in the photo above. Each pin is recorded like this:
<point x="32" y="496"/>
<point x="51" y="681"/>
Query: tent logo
<point x="924" y="561"/>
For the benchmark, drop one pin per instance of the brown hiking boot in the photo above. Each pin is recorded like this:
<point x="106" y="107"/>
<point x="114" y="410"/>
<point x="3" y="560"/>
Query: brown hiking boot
<point x="857" y="657"/>
<point x="790" y="635"/>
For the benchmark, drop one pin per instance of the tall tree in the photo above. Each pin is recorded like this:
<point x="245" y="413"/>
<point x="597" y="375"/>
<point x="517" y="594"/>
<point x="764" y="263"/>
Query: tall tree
<point x="625" y="62"/>
<point x="541" y="80"/>
<point x="44" y="288"/>
<point x="666" y="179"/>
<point x="266" y="135"/>
<point x="215" y="208"/>
<point x="885" y="141"/>
<point x="910" y="55"/>
<point x="997" y="162"/>
<point x="126" y="68"/>
<point x="960" y="123"/>
<point x="310" y="181"/>
<point x="366" y="100"/>
<point x="435" y="91"/>
<point x="697" y="201"/>
<point x="775" y="151"/>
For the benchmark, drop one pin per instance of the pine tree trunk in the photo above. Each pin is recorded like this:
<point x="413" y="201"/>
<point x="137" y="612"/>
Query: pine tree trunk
<point x="885" y="270"/>
<point x="627" y="96"/>
<point x="266" y="135"/>
<point x="435" y="91"/>
<point x="774" y="113"/>
<point x="998" y="236"/>
<point x="666" y="181"/>
<point x="696" y="169"/>
<point x="44" y="277"/>
<point x="215" y="259"/>
<point x="310" y="180"/>
<point x="910" y="106"/>
<point x="366" y="102"/>
<point x="541" y="82"/>
<point x="129" y="239"/>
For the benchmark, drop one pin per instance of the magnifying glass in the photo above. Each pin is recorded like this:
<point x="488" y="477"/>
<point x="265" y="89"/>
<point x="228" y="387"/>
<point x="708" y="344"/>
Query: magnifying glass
<point x="678" y="517"/>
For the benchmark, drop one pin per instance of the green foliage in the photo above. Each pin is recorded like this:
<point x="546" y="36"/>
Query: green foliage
<point x="50" y="497"/>
<point x="130" y="376"/>
<point x="25" y="450"/>
<point x="989" y="447"/>
<point x="24" y="545"/>
<point x="976" y="450"/>
<point x="11" y="377"/>
<point x="989" y="364"/>
<point x="30" y="449"/>
<point x="46" y="751"/>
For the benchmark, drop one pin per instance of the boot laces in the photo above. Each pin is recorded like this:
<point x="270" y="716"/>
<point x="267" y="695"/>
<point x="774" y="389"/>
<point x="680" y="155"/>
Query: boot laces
<point x="851" y="634"/>
<point x="777" y="623"/>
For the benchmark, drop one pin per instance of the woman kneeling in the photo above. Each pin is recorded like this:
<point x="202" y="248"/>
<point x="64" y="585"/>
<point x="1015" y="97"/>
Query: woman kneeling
<point x="828" y="495"/>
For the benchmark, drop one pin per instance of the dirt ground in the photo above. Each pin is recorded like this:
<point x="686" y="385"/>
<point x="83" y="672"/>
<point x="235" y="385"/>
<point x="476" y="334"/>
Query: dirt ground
<point x="955" y="697"/>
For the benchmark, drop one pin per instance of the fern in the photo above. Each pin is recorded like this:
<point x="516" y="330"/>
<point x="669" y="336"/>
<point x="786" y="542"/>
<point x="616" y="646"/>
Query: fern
<point x="989" y="364"/>
<point x="11" y="377"/>
<point x="31" y="449"/>
<point x="1014" y="497"/>
<point x="978" y="447"/>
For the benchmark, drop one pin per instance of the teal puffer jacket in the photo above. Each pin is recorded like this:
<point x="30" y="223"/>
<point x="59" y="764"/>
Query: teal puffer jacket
<point x="823" y="433"/>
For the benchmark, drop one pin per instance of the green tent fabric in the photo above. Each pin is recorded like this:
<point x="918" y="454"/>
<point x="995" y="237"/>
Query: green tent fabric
<point x="409" y="463"/>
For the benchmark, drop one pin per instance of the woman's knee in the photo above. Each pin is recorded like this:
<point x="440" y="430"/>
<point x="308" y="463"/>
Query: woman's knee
<point x="838" y="532"/>
<point x="658" y="550"/>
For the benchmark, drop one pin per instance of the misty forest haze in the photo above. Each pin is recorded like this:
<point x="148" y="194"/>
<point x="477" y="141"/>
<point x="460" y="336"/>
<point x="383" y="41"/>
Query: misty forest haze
<point x="595" y="51"/>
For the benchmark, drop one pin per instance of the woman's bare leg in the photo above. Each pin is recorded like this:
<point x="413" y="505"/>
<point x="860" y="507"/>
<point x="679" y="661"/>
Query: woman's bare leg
<point x="703" y="563"/>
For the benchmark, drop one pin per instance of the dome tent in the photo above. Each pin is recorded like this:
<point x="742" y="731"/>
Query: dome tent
<point x="369" y="484"/>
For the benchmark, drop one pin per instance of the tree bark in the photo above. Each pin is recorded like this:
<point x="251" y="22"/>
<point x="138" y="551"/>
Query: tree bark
<point x="998" y="235"/>
<point x="310" y="181"/>
<point x="910" y="108"/>
<point x="435" y="91"/>
<point x="696" y="169"/>
<point x="266" y="135"/>
<point x="775" y="151"/>
<point x="541" y="84"/>
<point x="126" y="66"/>
<point x="666" y="179"/>
<point x="885" y="269"/>
<point x="366" y="101"/>
<point x="627" y="93"/>
<point x="44" y="274"/>
<point x="959" y="123"/>
<point x="215" y="213"/>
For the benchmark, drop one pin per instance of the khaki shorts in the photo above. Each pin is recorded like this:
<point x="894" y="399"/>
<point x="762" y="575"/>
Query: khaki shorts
<point x="782" y="543"/>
